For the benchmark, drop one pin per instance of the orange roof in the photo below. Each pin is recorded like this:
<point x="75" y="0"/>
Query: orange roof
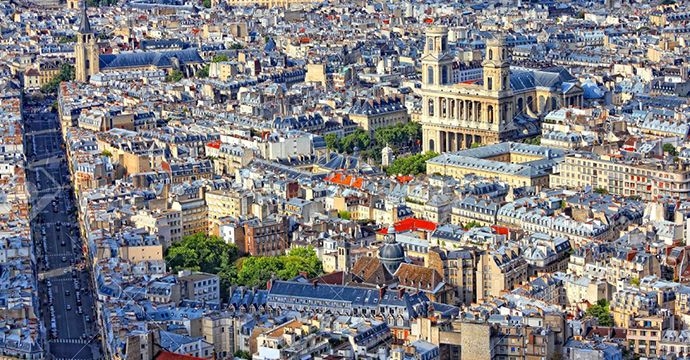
<point x="411" y="224"/>
<point x="404" y="178"/>
<point x="214" y="144"/>
<point x="500" y="230"/>
<point x="167" y="355"/>
<point x="345" y="180"/>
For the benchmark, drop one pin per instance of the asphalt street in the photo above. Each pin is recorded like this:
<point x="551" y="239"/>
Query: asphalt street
<point x="65" y="290"/>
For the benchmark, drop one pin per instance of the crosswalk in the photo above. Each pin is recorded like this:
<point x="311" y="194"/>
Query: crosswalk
<point x="69" y="341"/>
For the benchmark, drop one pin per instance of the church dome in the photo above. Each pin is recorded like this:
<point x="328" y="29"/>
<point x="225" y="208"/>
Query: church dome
<point x="392" y="253"/>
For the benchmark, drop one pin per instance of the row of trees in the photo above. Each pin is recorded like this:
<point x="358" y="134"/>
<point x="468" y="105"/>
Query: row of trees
<point x="410" y="165"/>
<point x="66" y="74"/>
<point x="211" y="254"/>
<point x="398" y="137"/>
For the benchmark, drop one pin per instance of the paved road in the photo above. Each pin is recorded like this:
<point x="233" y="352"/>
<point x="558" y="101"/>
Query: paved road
<point x="67" y="301"/>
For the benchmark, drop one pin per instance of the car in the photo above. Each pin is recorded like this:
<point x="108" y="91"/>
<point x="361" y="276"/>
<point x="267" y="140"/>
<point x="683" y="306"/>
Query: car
<point x="68" y="307"/>
<point x="63" y="243"/>
<point x="88" y="319"/>
<point x="67" y="293"/>
<point x="80" y="311"/>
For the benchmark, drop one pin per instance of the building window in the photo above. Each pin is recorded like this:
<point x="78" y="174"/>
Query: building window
<point x="491" y="54"/>
<point x="430" y="75"/>
<point x="490" y="83"/>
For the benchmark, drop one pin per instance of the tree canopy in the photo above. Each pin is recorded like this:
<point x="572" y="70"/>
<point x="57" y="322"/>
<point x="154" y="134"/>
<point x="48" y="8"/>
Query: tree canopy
<point x="219" y="58"/>
<point x="210" y="254"/>
<point x="410" y="165"/>
<point x="399" y="136"/>
<point x="174" y="76"/>
<point x="602" y="312"/>
<point x="257" y="270"/>
<point x="66" y="74"/>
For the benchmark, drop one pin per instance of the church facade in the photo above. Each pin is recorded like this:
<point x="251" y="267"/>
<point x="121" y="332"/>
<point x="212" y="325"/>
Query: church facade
<point x="89" y="61"/>
<point x="504" y="105"/>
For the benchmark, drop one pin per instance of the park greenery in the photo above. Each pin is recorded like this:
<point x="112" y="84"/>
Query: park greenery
<point x="206" y="3"/>
<point x="66" y="74"/>
<point x="203" y="72"/>
<point x="411" y="164"/>
<point x="398" y="137"/>
<point x="219" y="58"/>
<point x="174" y="76"/>
<point x="211" y="254"/>
<point x="344" y="214"/>
<point x="601" y="311"/>
<point x="670" y="149"/>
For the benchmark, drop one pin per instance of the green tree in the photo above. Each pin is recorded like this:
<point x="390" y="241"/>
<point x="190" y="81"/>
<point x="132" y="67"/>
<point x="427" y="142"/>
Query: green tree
<point x="174" y="76"/>
<point x="203" y="72"/>
<point x="471" y="224"/>
<point x="670" y="149"/>
<point x="344" y="214"/>
<point x="210" y="254"/>
<point x="410" y="165"/>
<point x="242" y="354"/>
<point x="236" y="46"/>
<point x="66" y="74"/>
<point x="475" y="145"/>
<point x="219" y="58"/>
<point x="635" y="282"/>
<point x="106" y="153"/>
<point x="332" y="142"/>
<point x="601" y="190"/>
<point x="207" y="4"/>
<point x="258" y="270"/>
<point x="602" y="312"/>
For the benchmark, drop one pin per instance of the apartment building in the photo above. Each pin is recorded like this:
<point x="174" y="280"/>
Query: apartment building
<point x="193" y="215"/>
<point x="198" y="286"/>
<point x="645" y="334"/>
<point x="224" y="203"/>
<point x="166" y="224"/>
<point x="265" y="238"/>
<point x="498" y="271"/>
<point x="377" y="113"/>
<point x="647" y="180"/>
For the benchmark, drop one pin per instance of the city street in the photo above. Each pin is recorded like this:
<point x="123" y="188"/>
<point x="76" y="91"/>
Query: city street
<point x="65" y="289"/>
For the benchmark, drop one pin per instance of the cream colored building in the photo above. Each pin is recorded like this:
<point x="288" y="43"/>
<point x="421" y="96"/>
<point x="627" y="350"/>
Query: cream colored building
<point x="498" y="271"/>
<point x="646" y="180"/>
<point x="456" y="116"/>
<point x="514" y="163"/>
<point x="222" y="203"/>
<point x="194" y="215"/>
<point x="269" y="3"/>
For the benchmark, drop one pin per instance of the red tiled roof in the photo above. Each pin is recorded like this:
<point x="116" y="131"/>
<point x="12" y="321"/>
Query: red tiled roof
<point x="500" y="230"/>
<point x="411" y="224"/>
<point x="404" y="178"/>
<point x="345" y="180"/>
<point x="214" y="144"/>
<point x="166" y="355"/>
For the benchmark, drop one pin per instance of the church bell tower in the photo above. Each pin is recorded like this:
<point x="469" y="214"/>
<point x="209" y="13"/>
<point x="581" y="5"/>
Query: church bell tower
<point x="86" y="49"/>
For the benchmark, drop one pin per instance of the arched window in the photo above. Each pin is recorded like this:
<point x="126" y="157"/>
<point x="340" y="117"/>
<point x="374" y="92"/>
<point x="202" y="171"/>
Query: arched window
<point x="430" y="106"/>
<point x="506" y="84"/>
<point x="491" y="54"/>
<point x="520" y="105"/>
<point x="444" y="107"/>
<point x="490" y="83"/>
<point x="490" y="114"/>
<point x="429" y="75"/>
<point x="503" y="54"/>
<point x="444" y="75"/>
<point x="431" y="145"/>
<point x="554" y="103"/>
<point x="504" y="116"/>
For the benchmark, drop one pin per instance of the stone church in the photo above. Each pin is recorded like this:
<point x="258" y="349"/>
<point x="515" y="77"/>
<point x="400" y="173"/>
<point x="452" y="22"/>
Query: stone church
<point x="505" y="105"/>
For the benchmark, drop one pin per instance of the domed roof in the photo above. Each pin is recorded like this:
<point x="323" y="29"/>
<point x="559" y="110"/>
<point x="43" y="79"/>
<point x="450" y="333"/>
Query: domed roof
<point x="391" y="251"/>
